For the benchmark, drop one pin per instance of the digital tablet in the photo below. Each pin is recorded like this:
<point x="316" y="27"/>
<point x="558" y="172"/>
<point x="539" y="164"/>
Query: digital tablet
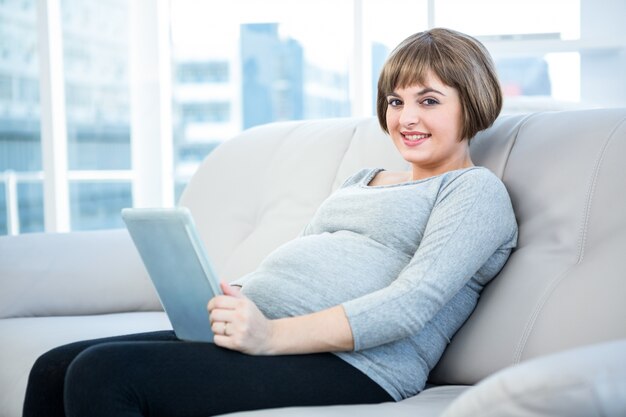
<point x="178" y="265"/>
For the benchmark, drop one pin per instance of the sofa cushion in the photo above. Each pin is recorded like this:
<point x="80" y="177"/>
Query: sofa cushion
<point x="582" y="382"/>
<point x="429" y="403"/>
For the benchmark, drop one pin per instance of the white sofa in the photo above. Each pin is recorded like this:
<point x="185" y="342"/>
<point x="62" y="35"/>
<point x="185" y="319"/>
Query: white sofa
<point x="548" y="336"/>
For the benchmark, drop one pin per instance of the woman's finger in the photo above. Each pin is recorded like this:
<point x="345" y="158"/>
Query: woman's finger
<point x="223" y="302"/>
<point x="228" y="289"/>
<point x="224" y="341"/>
<point x="222" y="315"/>
<point x="220" y="328"/>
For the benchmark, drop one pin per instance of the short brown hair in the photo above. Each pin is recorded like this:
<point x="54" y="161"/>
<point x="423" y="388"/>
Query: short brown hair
<point x="459" y="61"/>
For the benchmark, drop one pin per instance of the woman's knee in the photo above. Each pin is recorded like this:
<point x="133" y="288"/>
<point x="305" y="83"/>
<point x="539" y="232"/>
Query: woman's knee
<point x="51" y="367"/>
<point x="98" y="378"/>
<point x="44" y="392"/>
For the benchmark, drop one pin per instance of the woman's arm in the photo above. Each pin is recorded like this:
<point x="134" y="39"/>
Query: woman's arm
<point x="470" y="233"/>
<point x="248" y="330"/>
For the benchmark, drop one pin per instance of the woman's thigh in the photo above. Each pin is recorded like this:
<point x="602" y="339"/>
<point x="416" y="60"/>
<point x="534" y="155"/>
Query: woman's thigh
<point x="44" y="393"/>
<point x="201" y="379"/>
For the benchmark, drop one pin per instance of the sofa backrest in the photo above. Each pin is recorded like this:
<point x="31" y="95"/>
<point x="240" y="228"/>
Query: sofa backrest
<point x="564" y="285"/>
<point x="561" y="288"/>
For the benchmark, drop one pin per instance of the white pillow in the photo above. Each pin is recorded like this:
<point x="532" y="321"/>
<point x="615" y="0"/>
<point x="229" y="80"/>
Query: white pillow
<point x="586" y="381"/>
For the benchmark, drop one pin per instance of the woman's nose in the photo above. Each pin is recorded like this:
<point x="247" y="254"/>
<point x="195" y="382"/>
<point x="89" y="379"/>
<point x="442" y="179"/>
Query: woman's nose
<point x="409" y="116"/>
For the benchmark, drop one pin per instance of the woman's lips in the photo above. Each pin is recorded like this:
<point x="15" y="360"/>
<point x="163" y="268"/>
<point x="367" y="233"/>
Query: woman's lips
<point x="414" y="138"/>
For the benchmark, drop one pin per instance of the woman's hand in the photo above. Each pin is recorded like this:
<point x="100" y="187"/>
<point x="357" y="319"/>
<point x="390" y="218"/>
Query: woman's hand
<point x="238" y="324"/>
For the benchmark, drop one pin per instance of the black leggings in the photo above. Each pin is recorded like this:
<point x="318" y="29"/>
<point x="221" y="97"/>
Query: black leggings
<point x="155" y="374"/>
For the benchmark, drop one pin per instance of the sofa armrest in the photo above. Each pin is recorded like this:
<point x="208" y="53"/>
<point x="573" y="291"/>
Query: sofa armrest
<point x="63" y="274"/>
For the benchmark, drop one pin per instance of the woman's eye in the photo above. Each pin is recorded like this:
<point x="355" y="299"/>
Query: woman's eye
<point x="394" y="102"/>
<point x="430" y="102"/>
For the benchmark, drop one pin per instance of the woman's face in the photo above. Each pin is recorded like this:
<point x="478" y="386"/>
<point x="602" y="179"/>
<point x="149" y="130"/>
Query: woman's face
<point x="424" y="122"/>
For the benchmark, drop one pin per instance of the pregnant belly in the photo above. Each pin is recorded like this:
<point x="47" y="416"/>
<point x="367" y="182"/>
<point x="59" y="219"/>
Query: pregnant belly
<point x="316" y="272"/>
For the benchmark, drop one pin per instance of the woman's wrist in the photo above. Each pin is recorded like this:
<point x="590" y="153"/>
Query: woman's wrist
<point x="324" y="331"/>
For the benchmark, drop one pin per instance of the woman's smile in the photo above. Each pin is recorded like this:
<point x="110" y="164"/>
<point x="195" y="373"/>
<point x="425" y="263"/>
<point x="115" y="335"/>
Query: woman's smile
<point x="414" y="138"/>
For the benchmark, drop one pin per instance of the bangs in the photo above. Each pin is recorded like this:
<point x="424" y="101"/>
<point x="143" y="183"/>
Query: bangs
<point x="409" y="74"/>
<point x="409" y="66"/>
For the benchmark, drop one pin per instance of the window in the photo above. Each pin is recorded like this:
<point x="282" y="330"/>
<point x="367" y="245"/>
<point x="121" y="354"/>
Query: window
<point x="30" y="205"/>
<point x="520" y="40"/>
<point x="202" y="72"/>
<point x="97" y="92"/>
<point x="96" y="205"/>
<point x="204" y="112"/>
<point x="21" y="191"/>
<point x="251" y="62"/>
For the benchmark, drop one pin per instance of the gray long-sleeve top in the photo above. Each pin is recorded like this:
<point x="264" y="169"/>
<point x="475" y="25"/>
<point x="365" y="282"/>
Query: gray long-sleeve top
<point x="407" y="262"/>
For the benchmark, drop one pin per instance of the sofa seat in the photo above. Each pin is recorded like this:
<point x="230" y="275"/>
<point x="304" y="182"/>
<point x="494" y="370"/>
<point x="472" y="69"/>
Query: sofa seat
<point x="430" y="402"/>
